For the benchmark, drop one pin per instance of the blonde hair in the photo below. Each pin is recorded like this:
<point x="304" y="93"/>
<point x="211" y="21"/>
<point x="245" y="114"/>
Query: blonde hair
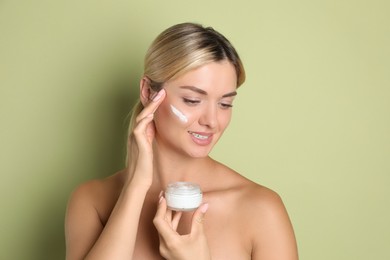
<point x="181" y="48"/>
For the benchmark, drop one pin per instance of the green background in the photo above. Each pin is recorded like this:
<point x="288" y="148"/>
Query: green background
<point x="312" y="120"/>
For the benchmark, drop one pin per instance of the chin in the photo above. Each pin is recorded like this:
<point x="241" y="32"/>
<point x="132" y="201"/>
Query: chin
<point x="200" y="153"/>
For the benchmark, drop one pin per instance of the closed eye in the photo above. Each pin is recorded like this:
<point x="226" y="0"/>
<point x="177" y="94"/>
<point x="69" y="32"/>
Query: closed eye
<point x="225" y="105"/>
<point x="191" y="102"/>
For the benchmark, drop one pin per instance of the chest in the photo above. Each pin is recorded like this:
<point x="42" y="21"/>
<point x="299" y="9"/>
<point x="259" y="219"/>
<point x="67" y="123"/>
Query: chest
<point x="225" y="235"/>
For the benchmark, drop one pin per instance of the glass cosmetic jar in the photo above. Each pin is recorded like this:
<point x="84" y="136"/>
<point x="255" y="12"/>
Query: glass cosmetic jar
<point x="183" y="196"/>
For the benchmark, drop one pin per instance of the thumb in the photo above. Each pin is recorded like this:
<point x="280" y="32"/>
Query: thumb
<point x="198" y="218"/>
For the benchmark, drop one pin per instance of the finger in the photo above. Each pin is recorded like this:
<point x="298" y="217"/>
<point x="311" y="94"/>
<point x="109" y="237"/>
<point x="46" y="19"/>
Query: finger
<point x="176" y="220"/>
<point x="152" y="106"/>
<point x="161" y="208"/>
<point x="198" y="219"/>
<point x="168" y="216"/>
<point x="163" y="227"/>
<point x="143" y="123"/>
<point x="142" y="128"/>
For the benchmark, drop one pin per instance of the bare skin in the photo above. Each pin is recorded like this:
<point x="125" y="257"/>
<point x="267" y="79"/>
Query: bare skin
<point x="124" y="217"/>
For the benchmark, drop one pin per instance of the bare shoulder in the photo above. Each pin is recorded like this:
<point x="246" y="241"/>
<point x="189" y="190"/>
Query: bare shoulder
<point x="88" y="209"/>
<point x="99" y="195"/>
<point x="250" y="194"/>
<point x="249" y="197"/>
<point x="263" y="215"/>
<point x="93" y="189"/>
<point x="87" y="192"/>
<point x="270" y="226"/>
<point x="263" y="201"/>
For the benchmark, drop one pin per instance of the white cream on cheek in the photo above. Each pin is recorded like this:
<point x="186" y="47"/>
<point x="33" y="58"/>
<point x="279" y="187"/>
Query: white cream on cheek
<point x="179" y="114"/>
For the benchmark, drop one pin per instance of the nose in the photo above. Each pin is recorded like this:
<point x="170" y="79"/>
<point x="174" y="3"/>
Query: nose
<point x="209" y="116"/>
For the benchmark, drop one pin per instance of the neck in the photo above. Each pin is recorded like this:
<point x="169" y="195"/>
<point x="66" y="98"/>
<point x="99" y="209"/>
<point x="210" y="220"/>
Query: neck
<point x="172" y="167"/>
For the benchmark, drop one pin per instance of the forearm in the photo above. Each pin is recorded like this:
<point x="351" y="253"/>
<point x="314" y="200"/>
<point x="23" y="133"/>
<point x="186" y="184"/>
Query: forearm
<point x="117" y="239"/>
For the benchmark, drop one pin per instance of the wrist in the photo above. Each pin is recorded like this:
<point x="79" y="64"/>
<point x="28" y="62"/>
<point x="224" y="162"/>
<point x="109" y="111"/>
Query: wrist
<point x="138" y="185"/>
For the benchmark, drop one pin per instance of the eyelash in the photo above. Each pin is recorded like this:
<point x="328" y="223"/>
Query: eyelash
<point x="225" y="105"/>
<point x="192" y="102"/>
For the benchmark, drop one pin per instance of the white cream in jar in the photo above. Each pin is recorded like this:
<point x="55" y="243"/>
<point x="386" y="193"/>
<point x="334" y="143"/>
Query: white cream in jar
<point x="183" y="196"/>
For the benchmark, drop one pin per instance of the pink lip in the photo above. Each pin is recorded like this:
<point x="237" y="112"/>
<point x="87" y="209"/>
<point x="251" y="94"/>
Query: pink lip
<point x="202" y="142"/>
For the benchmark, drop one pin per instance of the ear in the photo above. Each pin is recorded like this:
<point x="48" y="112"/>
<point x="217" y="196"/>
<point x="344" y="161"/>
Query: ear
<point x="145" y="91"/>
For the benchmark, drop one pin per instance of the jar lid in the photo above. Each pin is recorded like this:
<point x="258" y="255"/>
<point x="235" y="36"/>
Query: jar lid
<point x="183" y="188"/>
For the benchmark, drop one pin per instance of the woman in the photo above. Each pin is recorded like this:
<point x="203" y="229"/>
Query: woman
<point x="186" y="94"/>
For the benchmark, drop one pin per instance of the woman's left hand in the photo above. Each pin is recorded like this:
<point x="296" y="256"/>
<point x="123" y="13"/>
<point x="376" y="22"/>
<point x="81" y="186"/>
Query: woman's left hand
<point x="174" y="246"/>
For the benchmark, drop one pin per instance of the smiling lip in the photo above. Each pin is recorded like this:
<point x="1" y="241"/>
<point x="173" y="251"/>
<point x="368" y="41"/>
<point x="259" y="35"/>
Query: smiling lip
<point x="201" y="138"/>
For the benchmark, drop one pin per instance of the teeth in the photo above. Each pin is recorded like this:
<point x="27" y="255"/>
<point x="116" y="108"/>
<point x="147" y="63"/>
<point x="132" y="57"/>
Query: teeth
<point x="203" y="137"/>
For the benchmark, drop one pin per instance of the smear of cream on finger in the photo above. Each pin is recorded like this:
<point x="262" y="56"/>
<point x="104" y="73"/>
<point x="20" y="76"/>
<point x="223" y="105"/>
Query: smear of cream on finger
<point x="179" y="114"/>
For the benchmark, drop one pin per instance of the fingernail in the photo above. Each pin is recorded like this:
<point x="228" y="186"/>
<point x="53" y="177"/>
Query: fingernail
<point x="156" y="98"/>
<point x="160" y="196"/>
<point x="204" y="208"/>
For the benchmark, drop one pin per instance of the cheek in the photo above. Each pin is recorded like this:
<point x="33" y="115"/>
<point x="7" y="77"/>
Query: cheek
<point x="225" y="120"/>
<point x="162" y="116"/>
<point x="169" y="113"/>
<point x="179" y="114"/>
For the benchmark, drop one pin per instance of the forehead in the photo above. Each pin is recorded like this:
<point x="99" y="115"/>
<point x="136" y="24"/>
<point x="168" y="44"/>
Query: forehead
<point x="213" y="78"/>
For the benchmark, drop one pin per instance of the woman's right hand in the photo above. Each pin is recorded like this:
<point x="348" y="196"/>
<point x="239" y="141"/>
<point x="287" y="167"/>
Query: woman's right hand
<point x="140" y="143"/>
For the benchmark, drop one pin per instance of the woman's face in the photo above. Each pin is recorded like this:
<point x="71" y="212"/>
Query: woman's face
<point x="197" y="109"/>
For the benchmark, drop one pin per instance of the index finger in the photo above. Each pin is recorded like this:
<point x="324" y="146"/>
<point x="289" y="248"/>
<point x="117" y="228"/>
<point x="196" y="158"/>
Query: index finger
<point x="152" y="106"/>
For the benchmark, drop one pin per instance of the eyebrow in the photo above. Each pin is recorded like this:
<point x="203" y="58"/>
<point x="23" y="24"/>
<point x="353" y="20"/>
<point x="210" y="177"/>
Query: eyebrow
<point x="202" y="92"/>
